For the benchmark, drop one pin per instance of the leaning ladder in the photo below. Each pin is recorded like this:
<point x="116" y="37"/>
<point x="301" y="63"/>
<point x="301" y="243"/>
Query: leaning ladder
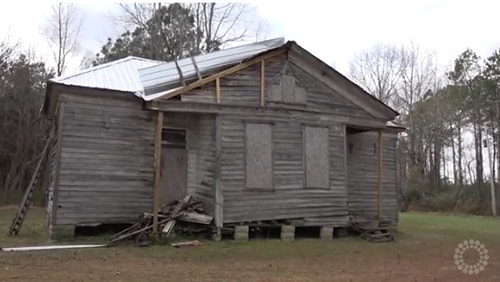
<point x="18" y="221"/>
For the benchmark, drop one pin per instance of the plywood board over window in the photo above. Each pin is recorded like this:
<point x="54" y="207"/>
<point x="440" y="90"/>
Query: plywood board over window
<point x="258" y="143"/>
<point x="287" y="91"/>
<point x="316" y="155"/>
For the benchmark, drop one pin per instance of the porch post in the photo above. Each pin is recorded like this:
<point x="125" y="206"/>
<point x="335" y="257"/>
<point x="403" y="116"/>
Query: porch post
<point x="219" y="196"/>
<point x="379" y="173"/>
<point x="157" y="165"/>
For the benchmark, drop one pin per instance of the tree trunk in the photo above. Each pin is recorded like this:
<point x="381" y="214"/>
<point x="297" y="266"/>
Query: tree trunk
<point x="478" y="152"/>
<point x="453" y="156"/>
<point x="460" y="151"/>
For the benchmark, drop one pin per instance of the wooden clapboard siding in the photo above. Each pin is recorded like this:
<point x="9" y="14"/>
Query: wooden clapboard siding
<point x="243" y="88"/>
<point x="106" y="160"/>
<point x="288" y="166"/>
<point x="362" y="176"/>
<point x="389" y="204"/>
<point x="288" y="198"/>
<point x="205" y="161"/>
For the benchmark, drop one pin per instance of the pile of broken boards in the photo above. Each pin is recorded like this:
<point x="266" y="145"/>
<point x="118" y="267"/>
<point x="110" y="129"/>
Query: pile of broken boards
<point x="185" y="215"/>
<point x="373" y="230"/>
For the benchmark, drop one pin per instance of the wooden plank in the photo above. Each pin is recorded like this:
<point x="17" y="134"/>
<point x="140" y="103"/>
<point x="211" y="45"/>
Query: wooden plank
<point x="217" y="89"/>
<point x="379" y="173"/>
<point x="219" y="198"/>
<point x="156" y="199"/>
<point x="274" y="112"/>
<point x="196" y="218"/>
<point x="223" y="73"/>
<point x="59" y="136"/>
<point x="262" y="82"/>
<point x="346" y="152"/>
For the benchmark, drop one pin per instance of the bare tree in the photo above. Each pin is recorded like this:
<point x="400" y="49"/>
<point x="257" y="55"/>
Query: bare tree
<point x="378" y="71"/>
<point x="217" y="24"/>
<point x="62" y="31"/>
<point x="221" y="23"/>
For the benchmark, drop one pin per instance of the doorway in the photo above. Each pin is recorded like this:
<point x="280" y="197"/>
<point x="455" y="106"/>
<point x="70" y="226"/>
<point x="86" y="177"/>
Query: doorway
<point x="173" y="181"/>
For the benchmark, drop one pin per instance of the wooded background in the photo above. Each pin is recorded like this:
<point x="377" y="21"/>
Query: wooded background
<point x="448" y="157"/>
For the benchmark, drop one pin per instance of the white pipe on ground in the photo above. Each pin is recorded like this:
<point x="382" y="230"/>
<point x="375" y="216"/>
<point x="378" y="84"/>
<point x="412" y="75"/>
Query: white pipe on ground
<point x="42" y="248"/>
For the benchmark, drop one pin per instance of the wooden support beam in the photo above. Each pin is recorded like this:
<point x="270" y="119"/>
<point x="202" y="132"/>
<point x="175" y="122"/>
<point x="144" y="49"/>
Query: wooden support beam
<point x="217" y="89"/>
<point x="156" y="198"/>
<point x="219" y="195"/>
<point x="262" y="82"/>
<point x="223" y="73"/>
<point x="379" y="173"/>
<point x="346" y="155"/>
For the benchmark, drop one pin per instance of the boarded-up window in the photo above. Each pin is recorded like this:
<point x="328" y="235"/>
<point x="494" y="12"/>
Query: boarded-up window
<point x="275" y="90"/>
<point x="288" y="88"/>
<point x="258" y="141"/>
<point x="317" y="164"/>
<point x="287" y="91"/>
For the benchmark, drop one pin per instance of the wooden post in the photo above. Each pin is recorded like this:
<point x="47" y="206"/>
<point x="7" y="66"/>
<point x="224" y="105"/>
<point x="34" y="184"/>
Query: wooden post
<point x="156" y="198"/>
<point x="346" y="155"/>
<point x="262" y="82"/>
<point x="217" y="89"/>
<point x="219" y="196"/>
<point x="379" y="174"/>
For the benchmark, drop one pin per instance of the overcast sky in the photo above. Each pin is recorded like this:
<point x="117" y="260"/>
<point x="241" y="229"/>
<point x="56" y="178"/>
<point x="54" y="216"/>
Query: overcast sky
<point x="332" y="30"/>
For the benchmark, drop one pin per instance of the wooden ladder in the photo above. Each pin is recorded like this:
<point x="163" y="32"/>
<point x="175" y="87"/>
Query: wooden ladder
<point x="18" y="221"/>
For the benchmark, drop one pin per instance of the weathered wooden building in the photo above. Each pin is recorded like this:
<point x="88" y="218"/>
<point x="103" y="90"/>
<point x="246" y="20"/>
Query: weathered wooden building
<point x="261" y="132"/>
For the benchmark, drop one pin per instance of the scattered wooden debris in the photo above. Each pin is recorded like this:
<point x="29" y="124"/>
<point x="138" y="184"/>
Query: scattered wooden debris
<point x="194" y="243"/>
<point x="373" y="230"/>
<point x="187" y="210"/>
<point x="195" y="217"/>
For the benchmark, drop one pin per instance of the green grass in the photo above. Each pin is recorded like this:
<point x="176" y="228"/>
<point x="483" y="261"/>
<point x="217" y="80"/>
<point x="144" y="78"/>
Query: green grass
<point x="423" y="251"/>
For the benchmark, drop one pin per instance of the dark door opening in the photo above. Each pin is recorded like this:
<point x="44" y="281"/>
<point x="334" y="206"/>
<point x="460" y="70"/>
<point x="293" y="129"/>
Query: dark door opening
<point x="173" y="165"/>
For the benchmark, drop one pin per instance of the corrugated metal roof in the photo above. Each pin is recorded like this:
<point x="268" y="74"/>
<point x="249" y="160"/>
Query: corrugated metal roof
<point x="160" y="79"/>
<point x="118" y="75"/>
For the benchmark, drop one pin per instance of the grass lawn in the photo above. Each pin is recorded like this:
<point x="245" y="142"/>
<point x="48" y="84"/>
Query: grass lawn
<point x="423" y="251"/>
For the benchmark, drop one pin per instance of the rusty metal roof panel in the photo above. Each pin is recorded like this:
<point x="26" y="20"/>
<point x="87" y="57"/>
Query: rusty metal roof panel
<point x="159" y="79"/>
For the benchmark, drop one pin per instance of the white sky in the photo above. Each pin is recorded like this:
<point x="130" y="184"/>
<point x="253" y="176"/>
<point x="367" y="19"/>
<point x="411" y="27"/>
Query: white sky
<point x="332" y="30"/>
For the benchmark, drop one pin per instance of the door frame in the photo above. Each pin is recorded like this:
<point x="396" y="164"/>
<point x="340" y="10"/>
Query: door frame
<point x="164" y="148"/>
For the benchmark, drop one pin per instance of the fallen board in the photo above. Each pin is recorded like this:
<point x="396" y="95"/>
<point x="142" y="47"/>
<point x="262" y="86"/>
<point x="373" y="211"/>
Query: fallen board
<point x="53" y="247"/>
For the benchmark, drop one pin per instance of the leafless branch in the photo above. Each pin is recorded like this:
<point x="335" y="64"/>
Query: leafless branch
<point x="62" y="30"/>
